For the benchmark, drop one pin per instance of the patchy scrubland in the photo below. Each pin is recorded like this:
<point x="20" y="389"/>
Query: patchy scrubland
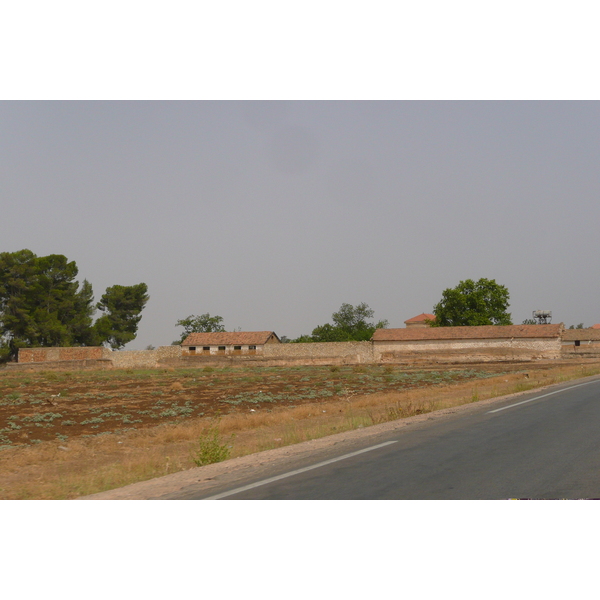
<point x="72" y="433"/>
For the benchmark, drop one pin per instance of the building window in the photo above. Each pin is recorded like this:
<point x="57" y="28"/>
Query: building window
<point x="237" y="347"/>
<point x="206" y="348"/>
<point x="221" y="348"/>
<point x="578" y="342"/>
<point x="251" y="347"/>
<point x="192" y="348"/>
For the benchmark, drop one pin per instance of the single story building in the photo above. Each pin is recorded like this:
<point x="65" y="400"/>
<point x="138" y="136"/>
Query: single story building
<point x="581" y="341"/>
<point x="421" y="320"/>
<point x="228" y="343"/>
<point x="468" y="344"/>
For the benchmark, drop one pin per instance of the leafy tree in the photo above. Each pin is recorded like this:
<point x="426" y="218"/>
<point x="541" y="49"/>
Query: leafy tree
<point x="328" y="333"/>
<point x="122" y="305"/>
<point x="303" y="339"/>
<point x="42" y="304"/>
<point x="352" y="321"/>
<point x="349" y="323"/>
<point x="201" y="324"/>
<point x="81" y="323"/>
<point x="529" y="322"/>
<point x="482" y="302"/>
<point x="17" y="279"/>
<point x="580" y="326"/>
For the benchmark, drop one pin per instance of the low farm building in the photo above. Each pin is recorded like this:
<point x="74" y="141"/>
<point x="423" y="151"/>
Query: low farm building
<point x="225" y="343"/>
<point x="468" y="344"/>
<point x="581" y="341"/>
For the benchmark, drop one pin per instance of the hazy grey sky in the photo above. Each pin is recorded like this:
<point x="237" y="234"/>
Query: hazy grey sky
<point x="272" y="214"/>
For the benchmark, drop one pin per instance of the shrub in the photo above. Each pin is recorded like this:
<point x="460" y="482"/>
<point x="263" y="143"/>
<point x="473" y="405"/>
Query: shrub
<point x="210" y="448"/>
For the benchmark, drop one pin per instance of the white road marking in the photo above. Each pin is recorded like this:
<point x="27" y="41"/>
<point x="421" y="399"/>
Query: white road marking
<point x="542" y="396"/>
<point x="296" y="472"/>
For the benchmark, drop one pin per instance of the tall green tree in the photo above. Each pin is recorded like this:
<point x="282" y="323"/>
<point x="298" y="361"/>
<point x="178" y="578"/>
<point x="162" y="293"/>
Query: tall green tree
<point x="17" y="278"/>
<point x="122" y="305"/>
<point x="350" y="323"/>
<point x="199" y="324"/>
<point x="42" y="304"/>
<point x="482" y="302"/>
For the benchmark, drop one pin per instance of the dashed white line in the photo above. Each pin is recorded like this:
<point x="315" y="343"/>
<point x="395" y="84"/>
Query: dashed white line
<point x="296" y="472"/>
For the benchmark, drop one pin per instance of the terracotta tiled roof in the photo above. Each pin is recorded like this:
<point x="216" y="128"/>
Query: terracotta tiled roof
<point x="421" y="318"/>
<point x="596" y="326"/>
<point x="467" y="333"/>
<point x="228" y="338"/>
<point x="570" y="335"/>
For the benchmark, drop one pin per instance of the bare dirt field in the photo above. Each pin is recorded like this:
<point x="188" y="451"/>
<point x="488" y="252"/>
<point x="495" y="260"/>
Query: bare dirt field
<point x="71" y="433"/>
<point x="37" y="407"/>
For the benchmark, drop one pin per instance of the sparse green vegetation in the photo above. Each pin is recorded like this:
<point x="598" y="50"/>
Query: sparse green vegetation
<point x="210" y="448"/>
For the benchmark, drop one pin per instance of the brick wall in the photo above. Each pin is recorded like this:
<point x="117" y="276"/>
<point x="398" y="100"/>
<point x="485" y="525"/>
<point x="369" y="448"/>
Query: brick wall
<point x="128" y="359"/>
<point x="35" y="355"/>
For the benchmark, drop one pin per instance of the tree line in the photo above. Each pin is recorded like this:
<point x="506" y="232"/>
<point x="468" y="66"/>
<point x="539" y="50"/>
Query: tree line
<point x="482" y="302"/>
<point x="42" y="304"/>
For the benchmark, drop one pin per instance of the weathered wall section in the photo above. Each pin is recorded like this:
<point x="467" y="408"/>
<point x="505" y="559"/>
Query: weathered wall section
<point x="481" y="350"/>
<point x="85" y="356"/>
<point x="144" y="359"/>
<point x="585" y="349"/>
<point x="35" y="355"/>
<point x="320" y="352"/>
<point x="583" y="343"/>
<point x="330" y="353"/>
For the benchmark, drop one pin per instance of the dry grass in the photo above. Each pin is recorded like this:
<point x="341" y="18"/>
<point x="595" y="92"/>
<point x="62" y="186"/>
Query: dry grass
<point x="90" y="465"/>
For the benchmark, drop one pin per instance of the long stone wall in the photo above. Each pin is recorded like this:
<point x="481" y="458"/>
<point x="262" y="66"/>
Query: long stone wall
<point x="144" y="359"/>
<point x="326" y="353"/>
<point x="321" y="352"/>
<point x="481" y="350"/>
<point x="586" y="349"/>
<point x="35" y="355"/>
<point x="87" y="355"/>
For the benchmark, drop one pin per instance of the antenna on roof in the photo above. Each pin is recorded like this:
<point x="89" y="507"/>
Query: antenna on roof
<point x="542" y="317"/>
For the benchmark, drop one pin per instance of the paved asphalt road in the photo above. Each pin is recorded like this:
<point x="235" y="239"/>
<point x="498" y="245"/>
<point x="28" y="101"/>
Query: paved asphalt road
<point x="543" y="445"/>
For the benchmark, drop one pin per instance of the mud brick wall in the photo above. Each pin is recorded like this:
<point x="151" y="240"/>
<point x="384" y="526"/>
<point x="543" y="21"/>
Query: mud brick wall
<point x="35" y="355"/>
<point x="320" y="352"/>
<point x="586" y="349"/>
<point x="326" y="353"/>
<point x="62" y="365"/>
<point x="468" y="350"/>
<point x="139" y="359"/>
